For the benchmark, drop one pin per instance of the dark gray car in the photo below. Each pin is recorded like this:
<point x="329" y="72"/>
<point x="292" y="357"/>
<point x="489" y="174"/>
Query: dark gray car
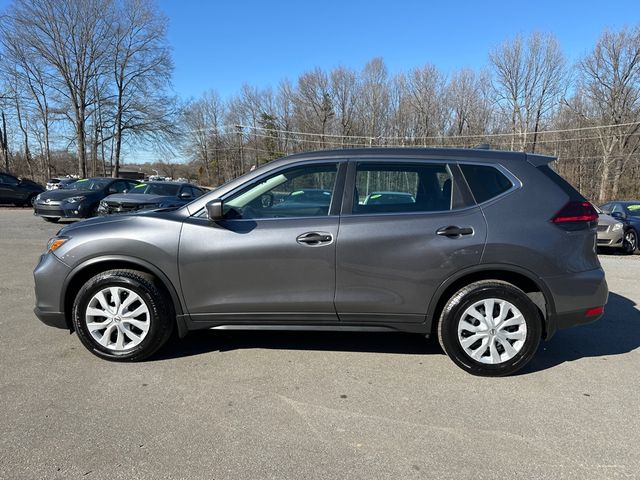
<point x="491" y="252"/>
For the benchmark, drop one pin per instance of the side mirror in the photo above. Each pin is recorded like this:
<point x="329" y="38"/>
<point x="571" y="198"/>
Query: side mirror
<point x="185" y="195"/>
<point x="214" y="210"/>
<point x="618" y="215"/>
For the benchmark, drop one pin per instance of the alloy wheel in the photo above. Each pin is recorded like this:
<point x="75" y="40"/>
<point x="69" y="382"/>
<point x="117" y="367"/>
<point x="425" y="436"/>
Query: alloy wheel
<point x="492" y="331"/>
<point x="117" y="318"/>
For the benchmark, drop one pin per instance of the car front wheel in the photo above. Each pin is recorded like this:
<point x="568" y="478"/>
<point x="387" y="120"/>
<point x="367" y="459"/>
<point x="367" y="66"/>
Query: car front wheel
<point x="122" y="315"/>
<point x="630" y="242"/>
<point x="490" y="328"/>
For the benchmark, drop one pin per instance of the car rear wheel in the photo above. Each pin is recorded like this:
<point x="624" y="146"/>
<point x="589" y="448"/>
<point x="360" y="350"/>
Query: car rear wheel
<point x="490" y="328"/>
<point x="122" y="315"/>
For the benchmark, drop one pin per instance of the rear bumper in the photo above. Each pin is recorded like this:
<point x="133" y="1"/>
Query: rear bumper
<point x="573" y="295"/>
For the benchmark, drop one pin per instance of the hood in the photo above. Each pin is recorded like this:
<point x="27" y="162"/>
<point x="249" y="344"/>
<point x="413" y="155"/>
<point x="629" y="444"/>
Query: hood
<point x="69" y="229"/>
<point x="604" y="219"/>
<point x="140" y="198"/>
<point x="61" y="194"/>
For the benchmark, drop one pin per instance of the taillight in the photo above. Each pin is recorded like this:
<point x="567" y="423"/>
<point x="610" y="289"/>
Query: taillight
<point x="576" y="212"/>
<point x="592" y="312"/>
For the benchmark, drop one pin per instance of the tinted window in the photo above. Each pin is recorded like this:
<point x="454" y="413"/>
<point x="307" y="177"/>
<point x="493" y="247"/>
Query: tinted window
<point x="296" y="192"/>
<point x="8" y="179"/>
<point x="633" y="209"/>
<point x="485" y="182"/>
<point x="397" y="188"/>
<point x="155" y="189"/>
<point x="89" y="184"/>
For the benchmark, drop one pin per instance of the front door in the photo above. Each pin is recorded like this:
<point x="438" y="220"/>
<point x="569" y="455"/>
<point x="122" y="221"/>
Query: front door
<point x="406" y="228"/>
<point x="273" y="256"/>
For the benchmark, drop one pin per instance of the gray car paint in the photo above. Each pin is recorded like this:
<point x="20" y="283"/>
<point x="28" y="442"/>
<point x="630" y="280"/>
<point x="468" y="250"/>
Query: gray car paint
<point x="379" y="270"/>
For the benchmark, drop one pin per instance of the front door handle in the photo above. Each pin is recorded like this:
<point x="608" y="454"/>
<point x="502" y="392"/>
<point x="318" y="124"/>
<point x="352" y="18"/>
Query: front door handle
<point x="314" y="239"/>
<point x="453" y="231"/>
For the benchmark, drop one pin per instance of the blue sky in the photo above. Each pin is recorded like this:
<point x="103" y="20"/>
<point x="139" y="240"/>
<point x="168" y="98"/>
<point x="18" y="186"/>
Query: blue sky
<point x="221" y="45"/>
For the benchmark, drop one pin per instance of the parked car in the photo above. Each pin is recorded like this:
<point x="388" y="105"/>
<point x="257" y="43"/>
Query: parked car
<point x="378" y="198"/>
<point x="19" y="191"/>
<point x="79" y="199"/>
<point x="627" y="212"/>
<point x="59" y="182"/>
<point x="147" y="196"/>
<point x="611" y="233"/>
<point x="456" y="264"/>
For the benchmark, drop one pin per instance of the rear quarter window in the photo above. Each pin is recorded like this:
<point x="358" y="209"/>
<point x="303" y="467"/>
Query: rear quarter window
<point x="485" y="182"/>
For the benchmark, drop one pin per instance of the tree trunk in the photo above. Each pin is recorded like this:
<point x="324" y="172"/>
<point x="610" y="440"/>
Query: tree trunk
<point x="80" y="139"/>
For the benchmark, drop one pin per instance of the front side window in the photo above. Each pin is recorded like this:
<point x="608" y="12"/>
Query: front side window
<point x="297" y="192"/>
<point x="397" y="188"/>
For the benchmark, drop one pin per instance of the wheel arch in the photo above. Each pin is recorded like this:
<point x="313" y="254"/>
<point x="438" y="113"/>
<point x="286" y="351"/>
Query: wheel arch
<point x="83" y="272"/>
<point x="528" y="282"/>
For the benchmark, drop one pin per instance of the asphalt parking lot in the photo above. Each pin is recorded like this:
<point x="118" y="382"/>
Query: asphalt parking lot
<point x="222" y="405"/>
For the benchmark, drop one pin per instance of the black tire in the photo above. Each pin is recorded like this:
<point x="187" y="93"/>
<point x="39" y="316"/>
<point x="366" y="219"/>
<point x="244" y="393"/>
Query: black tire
<point x="51" y="219"/>
<point x="161" y="317"/>
<point x="468" y="296"/>
<point x="630" y="242"/>
<point x="31" y="200"/>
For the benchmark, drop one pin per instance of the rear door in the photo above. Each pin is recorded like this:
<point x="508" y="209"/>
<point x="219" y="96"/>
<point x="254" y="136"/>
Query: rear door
<point x="404" y="229"/>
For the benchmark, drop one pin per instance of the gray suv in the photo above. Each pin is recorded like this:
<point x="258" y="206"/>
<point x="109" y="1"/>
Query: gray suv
<point x="489" y="251"/>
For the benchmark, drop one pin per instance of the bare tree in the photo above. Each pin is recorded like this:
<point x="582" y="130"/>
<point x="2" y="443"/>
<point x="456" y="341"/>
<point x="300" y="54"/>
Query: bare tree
<point x="529" y="79"/>
<point x="313" y="102"/>
<point x="610" y="80"/>
<point x="72" y="37"/>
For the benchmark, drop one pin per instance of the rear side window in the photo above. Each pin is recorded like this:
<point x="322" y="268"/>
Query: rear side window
<point x="485" y="182"/>
<point x="399" y="188"/>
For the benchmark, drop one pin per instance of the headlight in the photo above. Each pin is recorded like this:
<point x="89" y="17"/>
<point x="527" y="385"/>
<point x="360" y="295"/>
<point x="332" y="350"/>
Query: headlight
<point x="38" y="197"/>
<point x="616" y="227"/>
<point x="74" y="199"/>
<point x="103" y="203"/>
<point x="55" y="243"/>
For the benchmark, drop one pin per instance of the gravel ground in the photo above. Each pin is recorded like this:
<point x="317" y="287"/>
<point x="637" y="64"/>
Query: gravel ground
<point x="310" y="405"/>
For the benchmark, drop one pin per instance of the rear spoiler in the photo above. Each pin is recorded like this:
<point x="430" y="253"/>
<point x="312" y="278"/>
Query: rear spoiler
<point x="539" y="160"/>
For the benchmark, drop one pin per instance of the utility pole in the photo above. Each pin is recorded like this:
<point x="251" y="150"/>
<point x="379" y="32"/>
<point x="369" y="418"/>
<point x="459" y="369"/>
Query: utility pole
<point x="239" y="128"/>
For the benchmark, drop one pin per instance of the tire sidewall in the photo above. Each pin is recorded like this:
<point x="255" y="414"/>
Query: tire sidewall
<point x="628" y="248"/>
<point x="452" y="315"/>
<point x="139" y="286"/>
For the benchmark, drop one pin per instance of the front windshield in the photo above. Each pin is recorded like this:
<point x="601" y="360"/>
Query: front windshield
<point x="88" y="184"/>
<point x="156" y="189"/>
<point x="633" y="209"/>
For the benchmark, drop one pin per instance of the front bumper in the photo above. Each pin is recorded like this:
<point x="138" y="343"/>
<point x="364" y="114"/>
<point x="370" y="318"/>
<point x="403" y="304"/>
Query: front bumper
<point x="573" y="295"/>
<point x="77" y="210"/>
<point x="49" y="276"/>
<point x="611" y="239"/>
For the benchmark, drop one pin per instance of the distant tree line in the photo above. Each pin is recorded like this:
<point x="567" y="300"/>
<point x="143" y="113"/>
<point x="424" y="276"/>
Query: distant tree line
<point x="528" y="98"/>
<point x="82" y="81"/>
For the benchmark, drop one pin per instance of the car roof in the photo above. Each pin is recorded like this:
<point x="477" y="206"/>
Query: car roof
<point x="399" y="153"/>
<point x="168" y="182"/>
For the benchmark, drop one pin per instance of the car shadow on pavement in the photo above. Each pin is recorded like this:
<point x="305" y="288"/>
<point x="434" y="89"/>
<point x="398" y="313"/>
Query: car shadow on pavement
<point x="205" y="341"/>
<point x="618" y="332"/>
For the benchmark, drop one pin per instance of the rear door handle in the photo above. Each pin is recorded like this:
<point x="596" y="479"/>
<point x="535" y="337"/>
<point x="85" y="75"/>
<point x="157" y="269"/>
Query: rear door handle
<point x="453" y="231"/>
<point x="314" y="239"/>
